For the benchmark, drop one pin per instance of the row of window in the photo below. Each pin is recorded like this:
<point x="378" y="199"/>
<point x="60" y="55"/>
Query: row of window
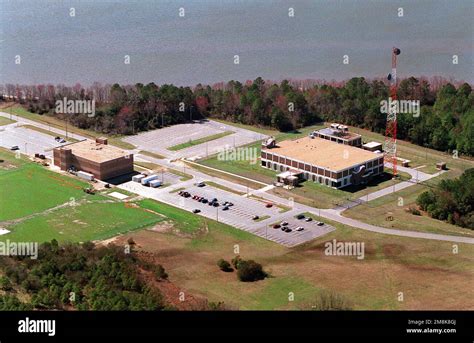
<point x="316" y="170"/>
<point x="354" y="142"/>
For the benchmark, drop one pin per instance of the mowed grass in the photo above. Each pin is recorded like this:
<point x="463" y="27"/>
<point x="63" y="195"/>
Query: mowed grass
<point x="84" y="222"/>
<point x="6" y="121"/>
<point x="421" y="269"/>
<point x="396" y="205"/>
<point x="29" y="188"/>
<point x="316" y="195"/>
<point x="191" y="143"/>
<point x="38" y="205"/>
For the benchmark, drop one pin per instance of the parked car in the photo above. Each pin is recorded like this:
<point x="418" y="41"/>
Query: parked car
<point x="62" y="140"/>
<point x="230" y="204"/>
<point x="57" y="138"/>
<point x="196" y="210"/>
<point x="200" y="184"/>
<point x="268" y="205"/>
<point x="276" y="226"/>
<point x="284" y="223"/>
<point x="204" y="201"/>
<point x="299" y="228"/>
<point x="255" y="217"/>
<point x="288" y="230"/>
<point x="308" y="219"/>
<point x="300" y="216"/>
<point x="15" y="147"/>
<point x="215" y="204"/>
<point x="320" y="223"/>
<point x="180" y="192"/>
<point x="225" y="208"/>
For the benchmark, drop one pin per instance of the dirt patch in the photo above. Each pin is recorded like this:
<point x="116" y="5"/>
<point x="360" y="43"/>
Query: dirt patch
<point x="393" y="250"/>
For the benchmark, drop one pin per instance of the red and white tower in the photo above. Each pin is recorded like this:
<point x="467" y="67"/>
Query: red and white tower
<point x="390" y="145"/>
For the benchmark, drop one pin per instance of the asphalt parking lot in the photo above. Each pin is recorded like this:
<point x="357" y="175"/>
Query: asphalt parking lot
<point x="159" y="140"/>
<point x="28" y="141"/>
<point x="239" y="215"/>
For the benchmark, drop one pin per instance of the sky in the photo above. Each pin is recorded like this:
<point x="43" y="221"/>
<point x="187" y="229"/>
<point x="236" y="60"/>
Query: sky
<point x="200" y="47"/>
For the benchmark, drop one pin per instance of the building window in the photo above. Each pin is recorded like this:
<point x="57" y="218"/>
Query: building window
<point x="264" y="164"/>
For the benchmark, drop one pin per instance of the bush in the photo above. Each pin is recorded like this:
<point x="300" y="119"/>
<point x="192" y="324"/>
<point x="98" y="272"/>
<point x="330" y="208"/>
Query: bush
<point x="5" y="284"/>
<point x="414" y="211"/>
<point x="160" y="272"/>
<point x="250" y="271"/>
<point x="224" y="265"/>
<point x="236" y="261"/>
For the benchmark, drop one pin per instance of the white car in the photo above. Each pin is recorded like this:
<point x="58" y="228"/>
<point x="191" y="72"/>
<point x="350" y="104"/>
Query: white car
<point x="299" y="228"/>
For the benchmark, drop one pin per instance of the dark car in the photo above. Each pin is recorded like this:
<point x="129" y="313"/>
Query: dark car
<point x="308" y="219"/>
<point x="225" y="208"/>
<point x="255" y="217"/>
<point x="204" y="201"/>
<point x="320" y="223"/>
<point x="196" y="210"/>
<point x="268" y="205"/>
<point x="15" y="147"/>
<point x="215" y="204"/>
<point x="276" y="226"/>
<point x="288" y="230"/>
<point x="300" y="216"/>
<point x="180" y="192"/>
<point x="201" y="184"/>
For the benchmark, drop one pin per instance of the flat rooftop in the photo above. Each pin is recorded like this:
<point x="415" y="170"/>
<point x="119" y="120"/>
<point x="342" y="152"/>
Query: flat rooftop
<point x="337" y="133"/>
<point x="323" y="153"/>
<point x="96" y="152"/>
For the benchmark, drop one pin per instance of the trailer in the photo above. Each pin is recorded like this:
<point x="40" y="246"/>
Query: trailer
<point x="147" y="179"/>
<point x="155" y="183"/>
<point x="85" y="176"/>
<point x="138" y="178"/>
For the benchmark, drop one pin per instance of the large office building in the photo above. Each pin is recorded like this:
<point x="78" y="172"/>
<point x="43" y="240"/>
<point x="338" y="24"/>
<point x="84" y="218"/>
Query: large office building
<point x="320" y="160"/>
<point x="95" y="157"/>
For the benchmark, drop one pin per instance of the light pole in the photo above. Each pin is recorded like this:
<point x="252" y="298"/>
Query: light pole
<point x="217" y="214"/>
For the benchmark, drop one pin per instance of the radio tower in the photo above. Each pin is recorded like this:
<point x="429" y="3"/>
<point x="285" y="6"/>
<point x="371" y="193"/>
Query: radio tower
<point x="390" y="145"/>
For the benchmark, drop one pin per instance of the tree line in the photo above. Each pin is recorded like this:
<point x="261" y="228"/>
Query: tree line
<point x="445" y="121"/>
<point x="452" y="200"/>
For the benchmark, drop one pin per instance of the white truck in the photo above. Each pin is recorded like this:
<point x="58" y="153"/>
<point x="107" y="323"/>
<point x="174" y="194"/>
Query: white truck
<point x="155" y="183"/>
<point x="147" y="179"/>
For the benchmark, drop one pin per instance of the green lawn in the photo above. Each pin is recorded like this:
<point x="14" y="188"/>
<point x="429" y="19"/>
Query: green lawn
<point x="191" y="143"/>
<point x="29" y="188"/>
<point x="85" y="222"/>
<point x="6" y="121"/>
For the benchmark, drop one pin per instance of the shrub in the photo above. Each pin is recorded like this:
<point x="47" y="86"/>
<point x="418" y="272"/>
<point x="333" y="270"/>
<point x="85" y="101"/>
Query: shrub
<point x="224" y="265"/>
<point x="236" y="261"/>
<point x="160" y="272"/>
<point x="250" y="271"/>
<point x="5" y="284"/>
<point x="414" y="210"/>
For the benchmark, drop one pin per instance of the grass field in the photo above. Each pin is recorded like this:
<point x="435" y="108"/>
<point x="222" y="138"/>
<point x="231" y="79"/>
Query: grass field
<point x="39" y="205"/>
<point x="376" y="212"/>
<point x="421" y="269"/>
<point x="151" y="154"/>
<point x="191" y="143"/>
<point x="57" y="123"/>
<point x="6" y="121"/>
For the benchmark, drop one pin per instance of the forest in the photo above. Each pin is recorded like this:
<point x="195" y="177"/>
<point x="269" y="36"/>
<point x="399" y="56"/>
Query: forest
<point x="445" y="121"/>
<point x="77" y="277"/>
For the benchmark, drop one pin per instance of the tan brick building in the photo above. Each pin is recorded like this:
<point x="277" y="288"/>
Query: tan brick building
<point x="98" y="158"/>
